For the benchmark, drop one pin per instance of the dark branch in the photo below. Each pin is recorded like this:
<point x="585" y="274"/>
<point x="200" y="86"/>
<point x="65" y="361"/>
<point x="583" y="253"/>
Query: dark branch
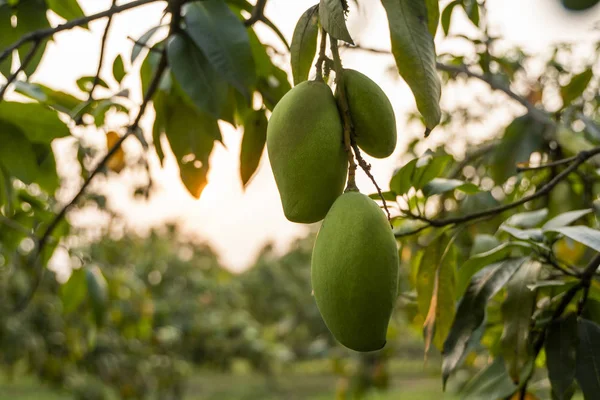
<point x="367" y="169"/>
<point x="40" y="34"/>
<point x="523" y="168"/>
<point x="258" y="13"/>
<point x="102" y="51"/>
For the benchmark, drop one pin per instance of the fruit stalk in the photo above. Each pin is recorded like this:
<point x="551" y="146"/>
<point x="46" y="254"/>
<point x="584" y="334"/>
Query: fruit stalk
<point x="322" y="56"/>
<point x="345" y="111"/>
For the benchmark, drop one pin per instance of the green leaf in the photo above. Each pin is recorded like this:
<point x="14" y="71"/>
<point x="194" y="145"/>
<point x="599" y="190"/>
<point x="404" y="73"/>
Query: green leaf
<point x="582" y="234"/>
<point x="472" y="9"/>
<point x="60" y="101"/>
<point x="223" y="39"/>
<point x="476" y="262"/>
<point x="401" y="181"/>
<point x="333" y="20"/>
<point x="587" y="370"/>
<point x="142" y="42"/>
<point x="191" y="134"/>
<point x="73" y="291"/>
<point x="31" y="16"/>
<point x="118" y="69"/>
<point x="159" y="124"/>
<point x="576" y="87"/>
<point x="521" y="138"/>
<point x="47" y="177"/>
<point x="442" y="185"/>
<point x="433" y="15"/>
<point x="388" y="196"/>
<point x="7" y="37"/>
<point x="38" y="123"/>
<point x="561" y="350"/>
<point x="148" y="69"/>
<point x="304" y="44"/>
<point x="447" y="16"/>
<point x="471" y="310"/>
<point x="428" y="167"/>
<point x="196" y="76"/>
<point x="253" y="143"/>
<point x="16" y="153"/>
<point x="534" y="235"/>
<point x="492" y="382"/>
<point x="516" y="313"/>
<point x="414" y="51"/>
<point x="527" y="219"/>
<point x="565" y="219"/>
<point x="97" y="289"/>
<point x="85" y="83"/>
<point x="67" y="9"/>
<point x="482" y="243"/>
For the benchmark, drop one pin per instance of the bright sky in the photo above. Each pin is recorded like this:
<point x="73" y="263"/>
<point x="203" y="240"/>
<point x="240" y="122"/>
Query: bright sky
<point x="238" y="223"/>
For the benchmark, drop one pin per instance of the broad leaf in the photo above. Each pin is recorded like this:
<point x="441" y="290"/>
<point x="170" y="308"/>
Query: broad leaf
<point x="37" y="122"/>
<point x="414" y="51"/>
<point x="401" y="181"/>
<point x="433" y="15"/>
<point x="331" y="15"/>
<point x="97" y="289"/>
<point x="442" y="185"/>
<point x="304" y="44"/>
<point x="565" y="219"/>
<point x="31" y="16"/>
<point x="118" y="69"/>
<point x="523" y="234"/>
<point x="85" y="83"/>
<point x="60" y="101"/>
<point x="67" y="9"/>
<point x="471" y="310"/>
<point x="561" y="350"/>
<point x="142" y="42"/>
<point x="576" y="87"/>
<point x="528" y="219"/>
<point x="253" y="143"/>
<point x="483" y="243"/>
<point x="196" y="76"/>
<point x="516" y="312"/>
<point x="521" y="138"/>
<point x="223" y="39"/>
<point x="587" y="370"/>
<point x="447" y="16"/>
<point x="582" y="234"/>
<point x="73" y="291"/>
<point x="16" y="153"/>
<point x="490" y="383"/>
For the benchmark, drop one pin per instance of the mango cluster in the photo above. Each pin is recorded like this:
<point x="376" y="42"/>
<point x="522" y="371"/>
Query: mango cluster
<point x="355" y="259"/>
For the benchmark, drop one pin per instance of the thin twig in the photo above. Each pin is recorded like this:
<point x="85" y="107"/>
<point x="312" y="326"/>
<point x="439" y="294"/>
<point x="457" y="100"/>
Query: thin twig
<point x="345" y="110"/>
<point x="522" y="168"/>
<point x="41" y="34"/>
<point x="144" y="45"/>
<point x="366" y="167"/>
<point x="102" y="51"/>
<point x="258" y="13"/>
<point x="21" y="68"/>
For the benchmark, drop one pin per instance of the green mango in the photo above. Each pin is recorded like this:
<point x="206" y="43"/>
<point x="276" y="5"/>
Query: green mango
<point x="579" y="5"/>
<point x="354" y="272"/>
<point x="305" y="146"/>
<point x="372" y="115"/>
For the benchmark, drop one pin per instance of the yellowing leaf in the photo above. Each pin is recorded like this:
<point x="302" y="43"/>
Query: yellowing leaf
<point x="117" y="162"/>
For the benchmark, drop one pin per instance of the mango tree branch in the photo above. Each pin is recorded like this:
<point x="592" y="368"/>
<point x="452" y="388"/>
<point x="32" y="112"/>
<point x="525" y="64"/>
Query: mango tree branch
<point x="258" y="13"/>
<point x="102" y="51"/>
<point x="40" y="34"/>
<point x="322" y="55"/>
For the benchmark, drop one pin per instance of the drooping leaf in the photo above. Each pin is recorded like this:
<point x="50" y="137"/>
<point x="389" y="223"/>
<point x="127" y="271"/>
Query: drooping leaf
<point x="253" y="143"/>
<point x="38" y="123"/>
<point x="516" y="312"/>
<point x="472" y="9"/>
<point x="521" y="138"/>
<point x="447" y="16"/>
<point x="118" y="69"/>
<point x="117" y="161"/>
<point x="433" y="15"/>
<point x="582" y="234"/>
<point x="304" y="44"/>
<point x="414" y="51"/>
<point x="442" y="185"/>
<point x="561" y="350"/>
<point x="535" y="235"/>
<point x="527" y="219"/>
<point x="31" y="16"/>
<point x="576" y="87"/>
<point x="67" y="9"/>
<point x="16" y="153"/>
<point x="58" y="100"/>
<point x="7" y="37"/>
<point x="587" y="370"/>
<point x="223" y="39"/>
<point x="73" y="291"/>
<point x="97" y="289"/>
<point x="331" y="15"/>
<point x="196" y="76"/>
<point x="401" y="181"/>
<point x="566" y="218"/>
<point x="471" y="310"/>
<point x="492" y="382"/>
<point x="142" y="42"/>
<point x="159" y="123"/>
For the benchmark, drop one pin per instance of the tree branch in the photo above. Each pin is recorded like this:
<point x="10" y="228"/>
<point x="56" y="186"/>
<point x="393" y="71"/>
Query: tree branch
<point x="258" y="13"/>
<point x="102" y="51"/>
<point x="41" y="34"/>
